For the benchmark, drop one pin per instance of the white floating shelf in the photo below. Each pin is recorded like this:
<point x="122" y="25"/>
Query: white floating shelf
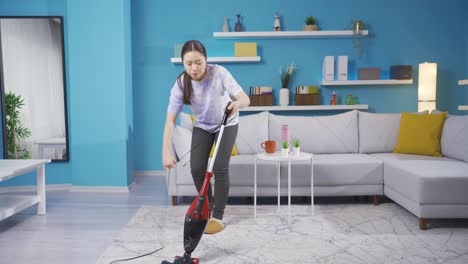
<point x="304" y="107"/>
<point x="463" y="82"/>
<point x="224" y="59"/>
<point x="463" y="107"/>
<point x="289" y="34"/>
<point x="365" y="82"/>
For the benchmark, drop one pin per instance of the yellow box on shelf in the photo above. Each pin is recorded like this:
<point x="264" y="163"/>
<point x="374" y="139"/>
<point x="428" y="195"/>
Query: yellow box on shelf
<point x="245" y="49"/>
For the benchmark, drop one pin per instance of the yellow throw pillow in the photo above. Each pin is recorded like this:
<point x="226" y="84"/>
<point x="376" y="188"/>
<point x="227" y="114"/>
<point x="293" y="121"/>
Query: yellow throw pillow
<point x="233" y="152"/>
<point x="420" y="134"/>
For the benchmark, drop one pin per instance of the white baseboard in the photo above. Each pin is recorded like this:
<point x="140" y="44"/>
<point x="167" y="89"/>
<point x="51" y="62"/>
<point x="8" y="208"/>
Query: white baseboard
<point x="71" y="188"/>
<point x="150" y="173"/>
<point x="75" y="188"/>
<point x="102" y="189"/>
<point x="33" y="188"/>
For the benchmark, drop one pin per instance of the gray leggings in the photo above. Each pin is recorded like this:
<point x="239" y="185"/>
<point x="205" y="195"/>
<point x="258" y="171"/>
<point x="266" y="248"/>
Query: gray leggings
<point x="202" y="141"/>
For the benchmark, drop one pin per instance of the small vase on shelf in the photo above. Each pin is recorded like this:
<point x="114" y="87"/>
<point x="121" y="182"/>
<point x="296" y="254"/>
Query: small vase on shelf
<point x="238" y="27"/>
<point x="225" y="25"/>
<point x="284" y="97"/>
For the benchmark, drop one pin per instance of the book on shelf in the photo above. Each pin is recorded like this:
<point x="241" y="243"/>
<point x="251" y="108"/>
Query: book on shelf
<point x="307" y="89"/>
<point x="261" y="95"/>
<point x="259" y="90"/>
<point x="307" y="95"/>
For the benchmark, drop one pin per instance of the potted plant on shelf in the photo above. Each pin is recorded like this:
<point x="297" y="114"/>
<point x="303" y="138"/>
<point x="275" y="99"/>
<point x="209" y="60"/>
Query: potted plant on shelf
<point x="285" y="76"/>
<point x="310" y="24"/>
<point x="296" y="146"/>
<point x="284" y="148"/>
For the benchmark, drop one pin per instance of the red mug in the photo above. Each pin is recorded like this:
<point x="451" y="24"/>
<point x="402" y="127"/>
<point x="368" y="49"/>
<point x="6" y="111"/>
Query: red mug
<point x="269" y="146"/>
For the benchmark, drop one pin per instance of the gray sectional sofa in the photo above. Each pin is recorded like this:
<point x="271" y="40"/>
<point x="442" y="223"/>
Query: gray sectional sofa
<point x="352" y="156"/>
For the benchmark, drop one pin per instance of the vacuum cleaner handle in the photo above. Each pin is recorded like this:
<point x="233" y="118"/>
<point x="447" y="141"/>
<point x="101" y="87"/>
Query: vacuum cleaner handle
<point x="227" y="112"/>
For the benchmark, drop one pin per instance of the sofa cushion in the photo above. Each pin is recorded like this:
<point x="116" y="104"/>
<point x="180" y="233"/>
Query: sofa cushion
<point x="454" y="142"/>
<point x="319" y="134"/>
<point x="336" y="169"/>
<point x="241" y="171"/>
<point x="253" y="130"/>
<point x="378" y="133"/>
<point x="426" y="179"/>
<point x="186" y="121"/>
<point x="420" y="134"/>
<point x="181" y="139"/>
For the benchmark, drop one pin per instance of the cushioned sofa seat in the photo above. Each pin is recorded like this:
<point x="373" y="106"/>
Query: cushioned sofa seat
<point x="355" y="174"/>
<point x="426" y="179"/>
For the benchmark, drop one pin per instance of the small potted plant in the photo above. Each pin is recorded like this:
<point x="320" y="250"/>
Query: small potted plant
<point x="285" y="76"/>
<point x="284" y="148"/>
<point x="310" y="24"/>
<point x="296" y="146"/>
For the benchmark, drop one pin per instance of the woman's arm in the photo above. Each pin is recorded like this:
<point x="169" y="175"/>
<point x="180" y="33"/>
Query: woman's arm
<point x="242" y="101"/>
<point x="167" y="159"/>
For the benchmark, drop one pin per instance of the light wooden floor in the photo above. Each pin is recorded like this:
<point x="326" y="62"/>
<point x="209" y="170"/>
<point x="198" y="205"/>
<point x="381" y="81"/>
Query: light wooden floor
<point x="77" y="227"/>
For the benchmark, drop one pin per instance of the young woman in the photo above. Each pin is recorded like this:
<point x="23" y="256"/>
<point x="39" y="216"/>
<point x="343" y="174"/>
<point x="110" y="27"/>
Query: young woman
<point x="207" y="88"/>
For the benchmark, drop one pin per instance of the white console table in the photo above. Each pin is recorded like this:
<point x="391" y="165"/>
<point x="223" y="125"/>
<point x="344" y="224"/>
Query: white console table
<point x="11" y="204"/>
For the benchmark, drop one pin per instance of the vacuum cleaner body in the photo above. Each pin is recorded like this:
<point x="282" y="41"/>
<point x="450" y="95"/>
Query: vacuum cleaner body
<point x="198" y="214"/>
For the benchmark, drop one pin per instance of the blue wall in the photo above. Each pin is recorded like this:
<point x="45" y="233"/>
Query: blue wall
<point x="401" y="32"/>
<point x="119" y="73"/>
<point x="99" y="89"/>
<point x="100" y="92"/>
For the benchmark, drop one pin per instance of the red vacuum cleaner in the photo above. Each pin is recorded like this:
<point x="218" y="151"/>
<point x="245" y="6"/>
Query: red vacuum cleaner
<point x="198" y="213"/>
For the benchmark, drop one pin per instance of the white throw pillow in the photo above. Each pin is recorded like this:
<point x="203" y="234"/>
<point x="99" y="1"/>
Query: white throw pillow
<point x="454" y="140"/>
<point x="319" y="134"/>
<point x="186" y="121"/>
<point x="253" y="130"/>
<point x="181" y="138"/>
<point x="378" y="133"/>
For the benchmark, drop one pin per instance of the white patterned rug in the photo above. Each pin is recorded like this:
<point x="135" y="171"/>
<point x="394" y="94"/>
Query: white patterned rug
<point x="349" y="233"/>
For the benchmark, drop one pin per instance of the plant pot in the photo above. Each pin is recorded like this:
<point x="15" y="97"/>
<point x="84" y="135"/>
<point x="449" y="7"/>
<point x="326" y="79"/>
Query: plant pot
<point x="296" y="151"/>
<point x="284" y="96"/>
<point x="284" y="152"/>
<point x="310" y="27"/>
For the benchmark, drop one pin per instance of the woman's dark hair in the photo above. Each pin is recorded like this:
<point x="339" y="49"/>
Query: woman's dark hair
<point x="191" y="45"/>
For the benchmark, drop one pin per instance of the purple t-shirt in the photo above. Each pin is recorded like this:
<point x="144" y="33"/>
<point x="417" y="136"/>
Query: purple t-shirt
<point x="209" y="98"/>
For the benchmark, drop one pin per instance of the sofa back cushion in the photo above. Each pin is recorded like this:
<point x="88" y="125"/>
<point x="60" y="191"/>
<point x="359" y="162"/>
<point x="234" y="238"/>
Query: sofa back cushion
<point x="454" y="141"/>
<point x="253" y="130"/>
<point x="181" y="139"/>
<point x="378" y="133"/>
<point x="319" y="134"/>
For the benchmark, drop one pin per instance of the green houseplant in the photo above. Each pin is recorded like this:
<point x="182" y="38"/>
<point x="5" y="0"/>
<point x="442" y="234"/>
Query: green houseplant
<point x="15" y="130"/>
<point x="310" y="24"/>
<point x="284" y="148"/>
<point x="296" y="147"/>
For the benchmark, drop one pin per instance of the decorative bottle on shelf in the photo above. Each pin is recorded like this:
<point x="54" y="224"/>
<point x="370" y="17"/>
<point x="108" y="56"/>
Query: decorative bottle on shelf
<point x="285" y="133"/>
<point x="225" y="25"/>
<point x="277" y="23"/>
<point x="333" y="99"/>
<point x="238" y="27"/>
